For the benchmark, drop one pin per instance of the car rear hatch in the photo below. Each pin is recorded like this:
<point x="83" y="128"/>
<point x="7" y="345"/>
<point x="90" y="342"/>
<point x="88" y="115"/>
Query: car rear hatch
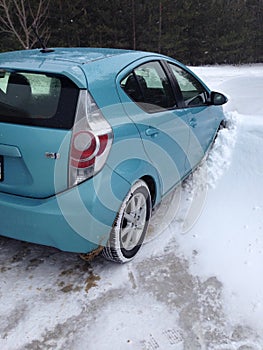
<point x="37" y="112"/>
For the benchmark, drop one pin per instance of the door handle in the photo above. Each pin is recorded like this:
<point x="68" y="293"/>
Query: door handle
<point x="193" y="122"/>
<point x="151" y="132"/>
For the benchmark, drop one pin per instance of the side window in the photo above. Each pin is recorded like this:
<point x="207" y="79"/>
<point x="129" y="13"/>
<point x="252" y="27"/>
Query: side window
<point x="149" y="87"/>
<point x="194" y="94"/>
<point x="3" y="81"/>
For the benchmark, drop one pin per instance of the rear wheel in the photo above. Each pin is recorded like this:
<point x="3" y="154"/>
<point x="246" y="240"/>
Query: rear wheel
<point x="130" y="225"/>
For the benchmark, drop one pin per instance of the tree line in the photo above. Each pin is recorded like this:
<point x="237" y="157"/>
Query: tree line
<point x="193" y="31"/>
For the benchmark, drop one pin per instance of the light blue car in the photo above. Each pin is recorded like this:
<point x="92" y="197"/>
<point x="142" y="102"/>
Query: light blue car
<point x="91" y="140"/>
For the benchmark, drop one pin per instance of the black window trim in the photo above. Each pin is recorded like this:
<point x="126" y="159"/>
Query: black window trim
<point x="173" y="82"/>
<point x="175" y="86"/>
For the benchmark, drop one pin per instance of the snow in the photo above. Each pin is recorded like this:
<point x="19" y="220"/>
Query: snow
<point x="229" y="233"/>
<point x="196" y="284"/>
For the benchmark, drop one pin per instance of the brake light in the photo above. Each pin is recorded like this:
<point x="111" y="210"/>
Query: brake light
<point x="91" y="140"/>
<point x="84" y="146"/>
<point x="103" y="143"/>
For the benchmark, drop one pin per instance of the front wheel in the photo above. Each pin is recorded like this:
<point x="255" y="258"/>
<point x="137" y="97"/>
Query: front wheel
<point x="130" y="225"/>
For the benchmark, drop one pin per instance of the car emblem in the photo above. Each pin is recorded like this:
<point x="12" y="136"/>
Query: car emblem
<point x="52" y="155"/>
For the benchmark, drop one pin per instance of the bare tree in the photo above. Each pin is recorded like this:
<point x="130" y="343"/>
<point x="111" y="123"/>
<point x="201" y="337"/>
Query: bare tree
<point x="17" y="17"/>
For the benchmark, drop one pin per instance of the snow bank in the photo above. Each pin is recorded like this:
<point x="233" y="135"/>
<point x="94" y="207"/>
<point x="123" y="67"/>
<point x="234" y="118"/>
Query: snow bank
<point x="227" y="240"/>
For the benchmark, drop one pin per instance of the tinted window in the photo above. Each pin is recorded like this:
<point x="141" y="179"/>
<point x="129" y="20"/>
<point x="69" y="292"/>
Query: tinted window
<point x="149" y="86"/>
<point x="194" y="94"/>
<point x="37" y="99"/>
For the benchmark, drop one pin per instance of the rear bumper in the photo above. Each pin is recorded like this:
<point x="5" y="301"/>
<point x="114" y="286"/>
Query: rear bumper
<point x="77" y="220"/>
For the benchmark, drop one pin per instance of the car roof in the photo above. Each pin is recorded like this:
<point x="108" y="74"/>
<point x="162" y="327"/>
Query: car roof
<point x="79" y="55"/>
<point x="68" y="61"/>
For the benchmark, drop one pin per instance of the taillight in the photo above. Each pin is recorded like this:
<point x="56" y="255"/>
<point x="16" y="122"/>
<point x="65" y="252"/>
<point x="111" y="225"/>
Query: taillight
<point x="84" y="149"/>
<point x="91" y="140"/>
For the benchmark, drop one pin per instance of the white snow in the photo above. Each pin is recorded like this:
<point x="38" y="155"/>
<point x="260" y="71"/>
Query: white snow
<point x="228" y="236"/>
<point x="196" y="284"/>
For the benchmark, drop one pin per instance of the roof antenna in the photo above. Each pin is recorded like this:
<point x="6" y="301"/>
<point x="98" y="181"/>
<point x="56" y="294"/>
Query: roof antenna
<point x="44" y="48"/>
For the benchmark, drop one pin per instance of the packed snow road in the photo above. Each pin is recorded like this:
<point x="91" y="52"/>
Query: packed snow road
<point x="196" y="285"/>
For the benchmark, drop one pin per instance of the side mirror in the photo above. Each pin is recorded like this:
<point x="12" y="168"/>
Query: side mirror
<point x="217" y="98"/>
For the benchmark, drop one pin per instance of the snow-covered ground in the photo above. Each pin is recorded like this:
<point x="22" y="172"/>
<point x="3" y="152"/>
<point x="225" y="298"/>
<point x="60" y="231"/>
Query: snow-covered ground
<point x="192" y="287"/>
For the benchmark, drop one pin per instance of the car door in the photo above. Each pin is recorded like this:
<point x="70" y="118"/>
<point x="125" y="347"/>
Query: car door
<point x="203" y="118"/>
<point x="149" y="100"/>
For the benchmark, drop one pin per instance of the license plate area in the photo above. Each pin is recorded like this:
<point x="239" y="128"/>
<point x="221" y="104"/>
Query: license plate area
<point x="1" y="168"/>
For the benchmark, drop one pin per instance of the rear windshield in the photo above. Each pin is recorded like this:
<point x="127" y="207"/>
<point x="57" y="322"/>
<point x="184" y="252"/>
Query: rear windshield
<point x="37" y="99"/>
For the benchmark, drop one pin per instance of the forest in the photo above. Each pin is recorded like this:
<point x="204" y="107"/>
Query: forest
<point x="193" y="31"/>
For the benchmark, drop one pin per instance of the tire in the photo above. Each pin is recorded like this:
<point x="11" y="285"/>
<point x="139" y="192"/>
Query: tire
<point x="130" y="226"/>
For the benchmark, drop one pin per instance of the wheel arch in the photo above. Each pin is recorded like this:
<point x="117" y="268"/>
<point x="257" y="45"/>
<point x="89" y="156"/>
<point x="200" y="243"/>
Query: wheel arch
<point x="152" y="187"/>
<point x="134" y="169"/>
